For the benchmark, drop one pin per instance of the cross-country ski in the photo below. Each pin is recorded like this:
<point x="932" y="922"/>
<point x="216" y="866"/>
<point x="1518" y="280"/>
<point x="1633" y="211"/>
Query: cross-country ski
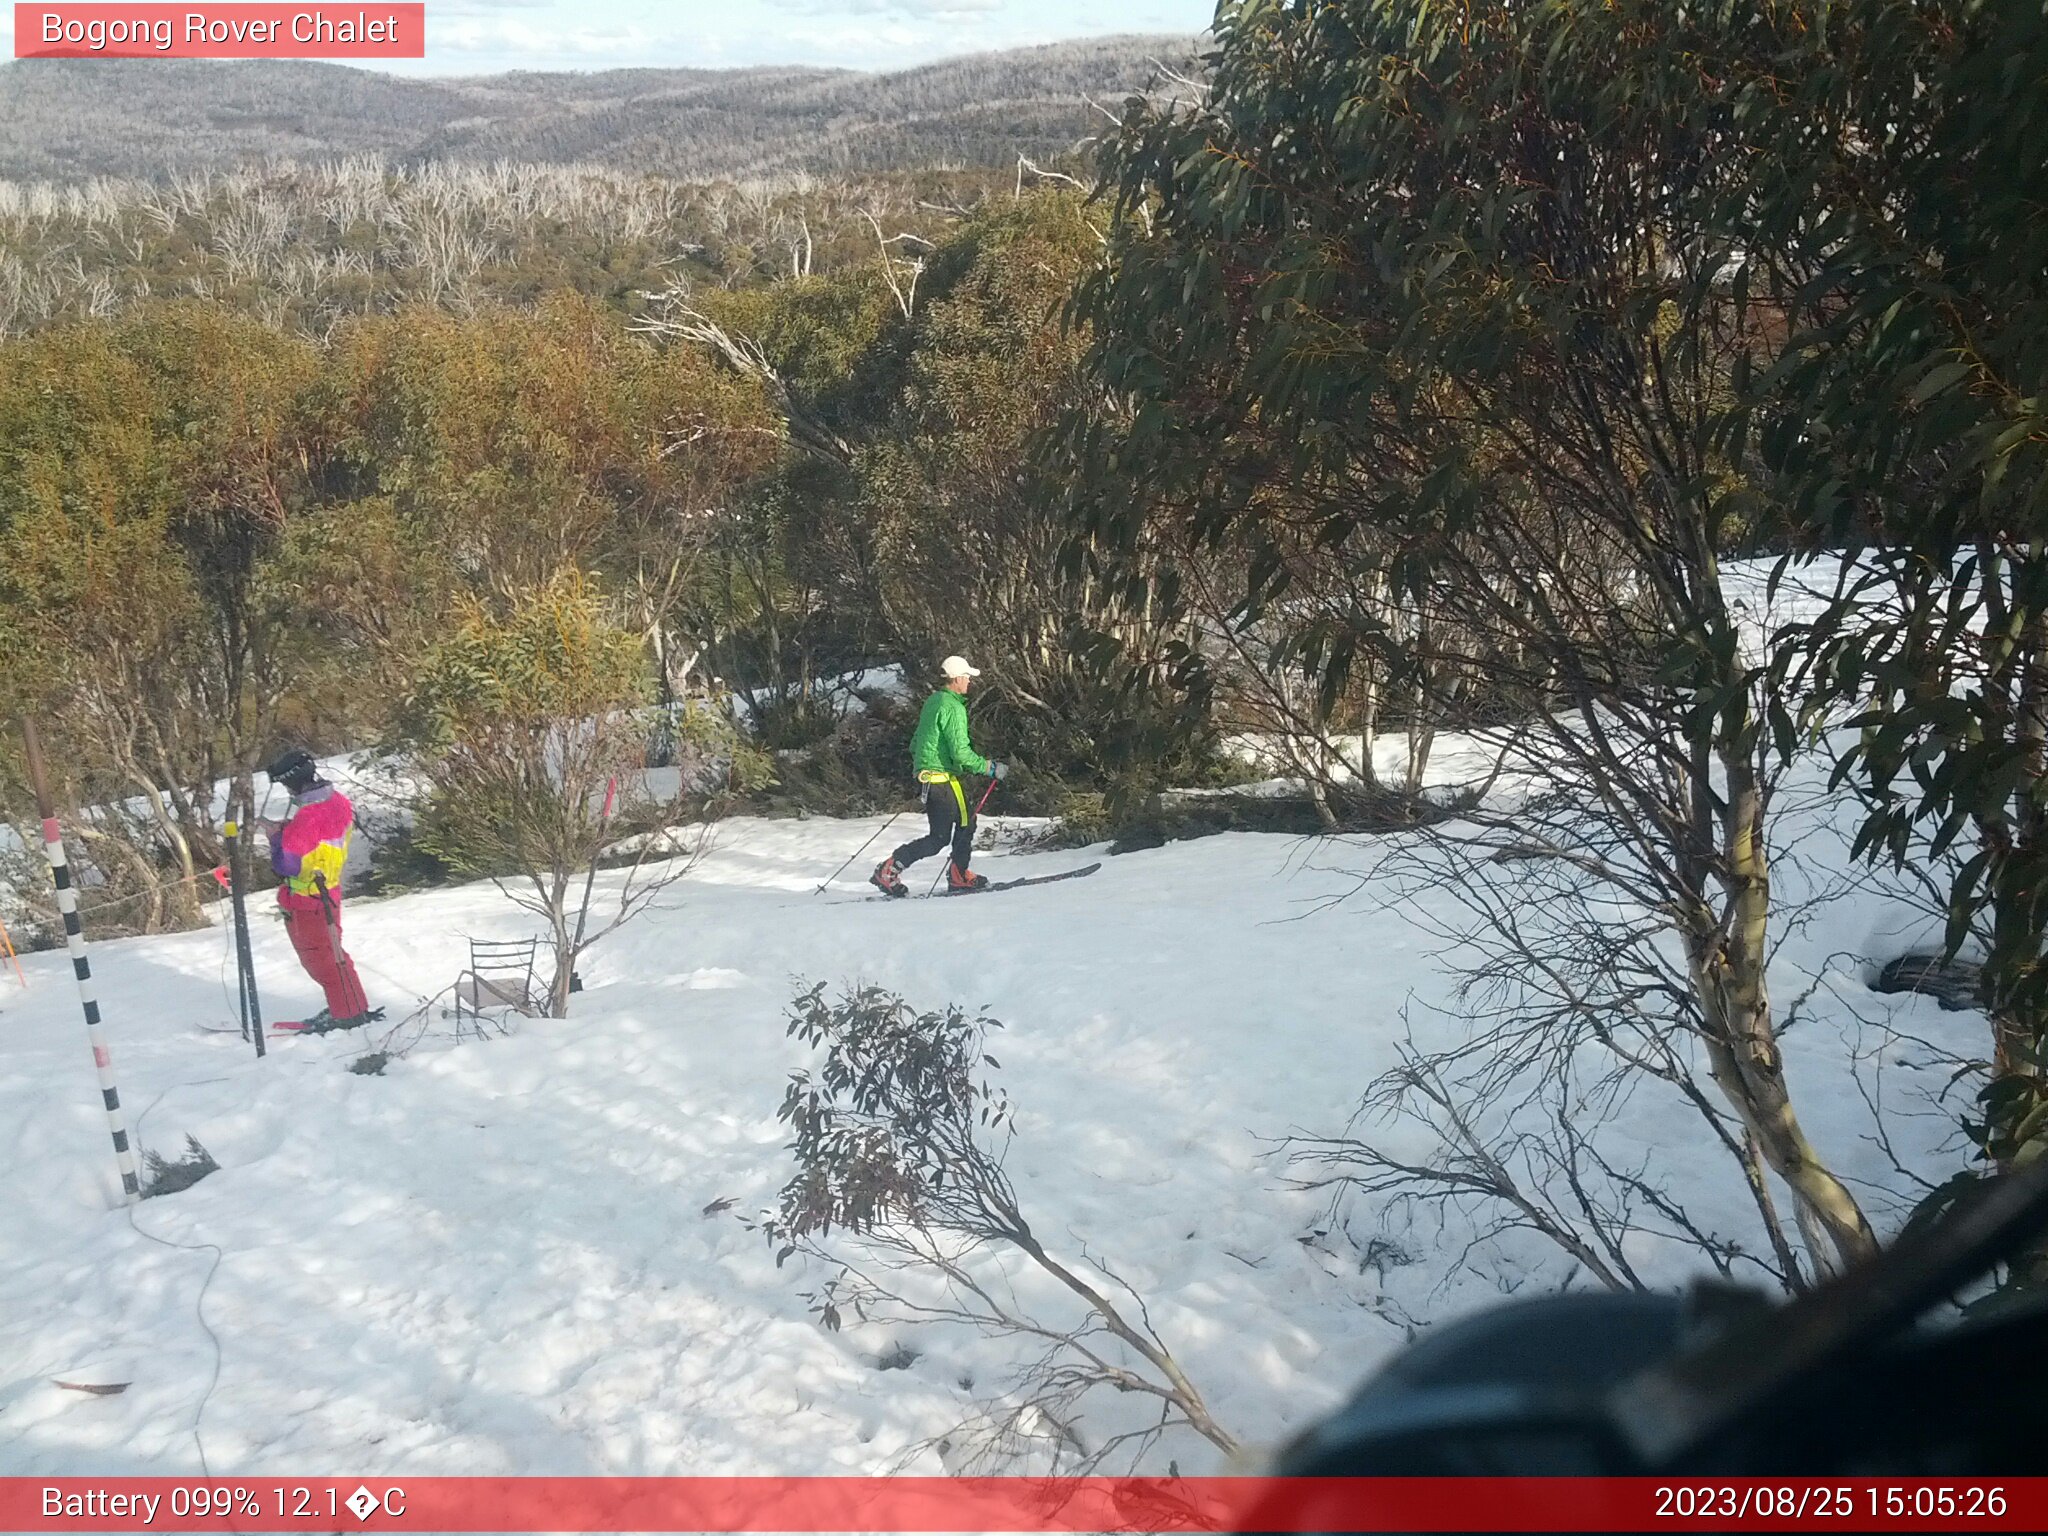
<point x="315" y="1025"/>
<point x="325" y="1024"/>
<point x="1024" y="880"/>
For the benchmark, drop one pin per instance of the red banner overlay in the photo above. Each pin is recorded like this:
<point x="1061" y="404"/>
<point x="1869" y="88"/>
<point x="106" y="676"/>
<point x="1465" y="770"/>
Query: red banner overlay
<point x="344" y="31"/>
<point x="930" y="1504"/>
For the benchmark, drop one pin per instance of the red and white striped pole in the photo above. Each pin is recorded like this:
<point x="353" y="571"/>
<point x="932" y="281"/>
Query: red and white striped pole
<point x="74" y="941"/>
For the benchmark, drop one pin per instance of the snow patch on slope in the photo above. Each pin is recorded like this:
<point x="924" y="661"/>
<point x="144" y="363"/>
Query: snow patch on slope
<point x="495" y="1257"/>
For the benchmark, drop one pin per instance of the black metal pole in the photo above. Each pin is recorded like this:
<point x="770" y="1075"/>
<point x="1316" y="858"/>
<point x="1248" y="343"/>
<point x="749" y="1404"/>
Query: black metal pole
<point x="238" y="874"/>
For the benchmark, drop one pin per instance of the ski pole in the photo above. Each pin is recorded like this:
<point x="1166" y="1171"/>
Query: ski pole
<point x="863" y="848"/>
<point x="238" y="911"/>
<point x="333" y="922"/>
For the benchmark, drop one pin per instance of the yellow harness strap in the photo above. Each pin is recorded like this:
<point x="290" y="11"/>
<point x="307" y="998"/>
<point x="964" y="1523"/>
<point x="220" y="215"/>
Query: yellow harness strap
<point x="959" y="791"/>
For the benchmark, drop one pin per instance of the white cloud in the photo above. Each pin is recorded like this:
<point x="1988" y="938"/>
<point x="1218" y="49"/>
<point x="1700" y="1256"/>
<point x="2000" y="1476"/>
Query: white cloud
<point x="487" y="36"/>
<point x="581" y="45"/>
<point x="882" y="37"/>
<point x="906" y="8"/>
<point x="482" y="7"/>
<point x="865" y="45"/>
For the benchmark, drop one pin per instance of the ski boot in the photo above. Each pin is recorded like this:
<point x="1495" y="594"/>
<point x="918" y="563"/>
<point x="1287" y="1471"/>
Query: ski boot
<point x="961" y="883"/>
<point x="888" y="878"/>
<point x="335" y="1026"/>
<point x="318" y="1024"/>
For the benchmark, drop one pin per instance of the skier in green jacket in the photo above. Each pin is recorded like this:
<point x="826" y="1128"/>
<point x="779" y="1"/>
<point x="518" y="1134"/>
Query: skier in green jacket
<point x="939" y="754"/>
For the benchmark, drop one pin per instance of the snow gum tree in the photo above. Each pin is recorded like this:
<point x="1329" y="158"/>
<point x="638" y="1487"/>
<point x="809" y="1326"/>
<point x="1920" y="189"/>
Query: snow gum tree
<point x="151" y="474"/>
<point x="915" y="496"/>
<point x="530" y="732"/>
<point x="1889" y="210"/>
<point x="899" y="1138"/>
<point x="1421" y="288"/>
<point x="513" y="444"/>
<point x="969" y="522"/>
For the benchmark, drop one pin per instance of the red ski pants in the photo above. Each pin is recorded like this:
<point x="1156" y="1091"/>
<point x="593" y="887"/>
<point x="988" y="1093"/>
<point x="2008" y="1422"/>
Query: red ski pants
<point x="320" y="952"/>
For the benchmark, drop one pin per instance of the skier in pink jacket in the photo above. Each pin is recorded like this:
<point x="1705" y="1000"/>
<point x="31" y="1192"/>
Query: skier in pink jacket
<point x="308" y="851"/>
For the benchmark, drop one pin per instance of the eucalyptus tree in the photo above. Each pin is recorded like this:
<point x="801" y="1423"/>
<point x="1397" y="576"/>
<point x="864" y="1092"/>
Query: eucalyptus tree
<point x="1437" y="292"/>
<point x="1889" y="198"/>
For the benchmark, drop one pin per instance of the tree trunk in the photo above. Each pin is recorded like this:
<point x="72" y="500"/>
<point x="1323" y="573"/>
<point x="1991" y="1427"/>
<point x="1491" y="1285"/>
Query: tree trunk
<point x="183" y="898"/>
<point x="1742" y="1051"/>
<point x="2016" y="1038"/>
<point x="1754" y="1170"/>
<point x="565" y="946"/>
<point x="1421" y="738"/>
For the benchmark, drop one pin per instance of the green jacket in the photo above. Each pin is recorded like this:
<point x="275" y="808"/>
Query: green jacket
<point x="940" y="744"/>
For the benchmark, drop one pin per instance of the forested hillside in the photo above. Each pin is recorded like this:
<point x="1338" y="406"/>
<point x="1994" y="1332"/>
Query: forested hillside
<point x="304" y="245"/>
<point x="150" y="118"/>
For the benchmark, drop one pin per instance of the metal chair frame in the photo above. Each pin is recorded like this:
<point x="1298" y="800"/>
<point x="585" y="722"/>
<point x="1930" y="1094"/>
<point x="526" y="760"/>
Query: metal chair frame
<point x="498" y="983"/>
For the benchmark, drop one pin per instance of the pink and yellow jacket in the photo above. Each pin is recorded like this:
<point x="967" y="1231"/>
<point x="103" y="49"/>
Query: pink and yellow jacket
<point x="314" y="842"/>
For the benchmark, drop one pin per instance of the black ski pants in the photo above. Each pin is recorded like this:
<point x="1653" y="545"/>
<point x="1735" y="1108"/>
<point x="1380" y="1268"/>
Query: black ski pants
<point x="952" y="821"/>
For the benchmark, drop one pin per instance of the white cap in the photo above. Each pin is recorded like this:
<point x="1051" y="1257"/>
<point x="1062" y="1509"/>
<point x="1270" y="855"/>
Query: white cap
<point x="956" y="666"/>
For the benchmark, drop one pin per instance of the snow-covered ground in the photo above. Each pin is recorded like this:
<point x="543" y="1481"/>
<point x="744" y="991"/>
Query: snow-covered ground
<point x="496" y="1257"/>
<point x="842" y="693"/>
<point x="1458" y="761"/>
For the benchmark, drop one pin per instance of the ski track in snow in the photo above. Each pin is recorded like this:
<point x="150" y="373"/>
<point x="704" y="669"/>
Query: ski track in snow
<point x="493" y="1258"/>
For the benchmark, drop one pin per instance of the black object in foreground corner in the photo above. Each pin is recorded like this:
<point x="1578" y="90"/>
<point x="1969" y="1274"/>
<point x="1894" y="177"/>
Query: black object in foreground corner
<point x="1851" y="1379"/>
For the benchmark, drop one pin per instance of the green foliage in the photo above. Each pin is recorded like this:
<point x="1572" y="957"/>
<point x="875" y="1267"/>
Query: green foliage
<point x="146" y="470"/>
<point x="521" y="716"/>
<point x="171" y="1175"/>
<point x="214" y="536"/>
<point x="853" y="766"/>
<point x="1083" y="818"/>
<point x="549" y="655"/>
<point x="1420" y="369"/>
<point x="402" y="864"/>
<point x="1358" y="362"/>
<point x="970" y="520"/>
<point x="1889" y="220"/>
<point x="920" y="521"/>
<point x="834" y="338"/>
<point x="891" y="1126"/>
<point x="1426" y="298"/>
<point x="182" y="484"/>
<point x="305" y="247"/>
<point x="528" y="724"/>
<point x="516" y="442"/>
<point x="150" y="472"/>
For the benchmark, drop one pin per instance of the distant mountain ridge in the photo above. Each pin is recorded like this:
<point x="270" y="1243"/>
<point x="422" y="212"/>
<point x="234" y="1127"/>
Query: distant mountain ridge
<point x="64" y="119"/>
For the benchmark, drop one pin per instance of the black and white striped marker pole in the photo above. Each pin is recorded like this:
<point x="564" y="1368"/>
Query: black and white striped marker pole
<point x="74" y="941"/>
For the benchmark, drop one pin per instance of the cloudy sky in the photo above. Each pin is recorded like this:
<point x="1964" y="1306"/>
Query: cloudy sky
<point x="484" y="36"/>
